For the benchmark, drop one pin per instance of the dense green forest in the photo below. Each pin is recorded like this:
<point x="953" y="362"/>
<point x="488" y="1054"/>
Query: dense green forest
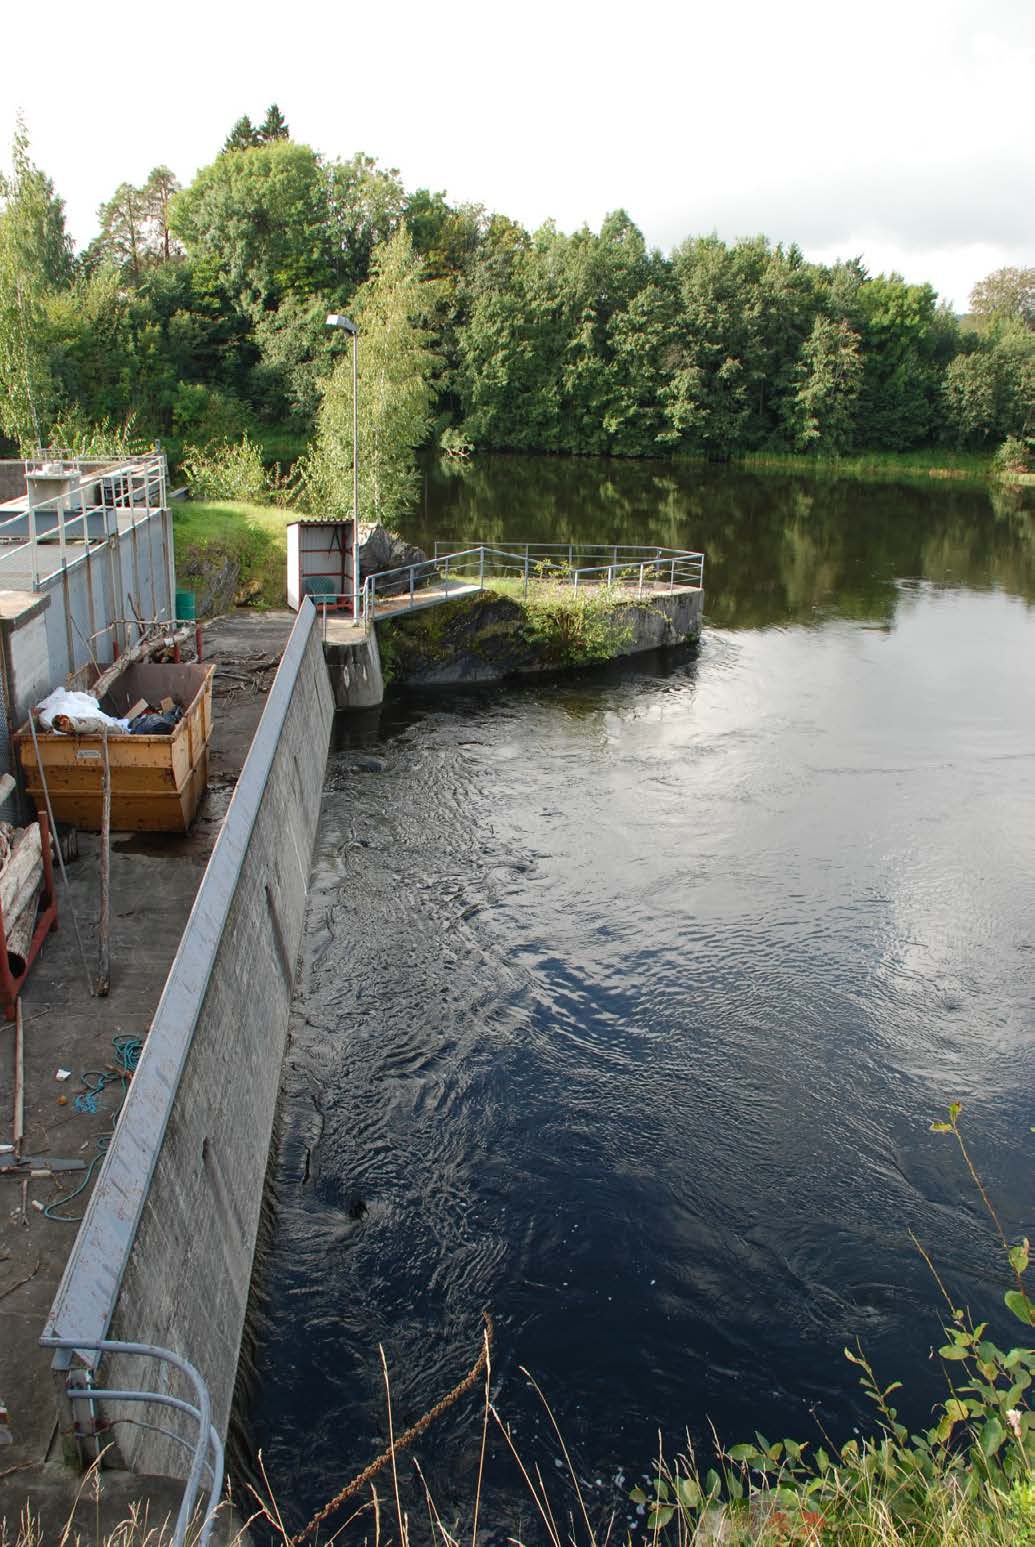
<point x="198" y="314"/>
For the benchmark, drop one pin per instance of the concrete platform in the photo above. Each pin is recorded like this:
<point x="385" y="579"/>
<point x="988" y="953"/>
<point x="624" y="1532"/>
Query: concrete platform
<point x="154" y="878"/>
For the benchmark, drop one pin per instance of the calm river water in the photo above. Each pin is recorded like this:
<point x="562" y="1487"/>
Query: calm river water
<point x="627" y="1000"/>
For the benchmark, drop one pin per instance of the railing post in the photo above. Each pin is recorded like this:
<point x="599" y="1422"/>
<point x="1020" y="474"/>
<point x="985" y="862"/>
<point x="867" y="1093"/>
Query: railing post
<point x="571" y="555"/>
<point x="412" y="567"/>
<point x="614" y="554"/>
<point x="610" y="574"/>
<point x="639" y="590"/>
<point x="526" y="572"/>
<point x="33" y="556"/>
<point x="445" y="583"/>
<point x="481" y="567"/>
<point x="575" y="582"/>
<point x="672" y="581"/>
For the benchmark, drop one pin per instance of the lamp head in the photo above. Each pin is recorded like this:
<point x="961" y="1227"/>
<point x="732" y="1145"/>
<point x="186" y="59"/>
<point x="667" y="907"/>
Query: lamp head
<point x="337" y="320"/>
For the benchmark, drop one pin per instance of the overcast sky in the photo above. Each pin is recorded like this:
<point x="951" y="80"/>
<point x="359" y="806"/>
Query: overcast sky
<point x="899" y="130"/>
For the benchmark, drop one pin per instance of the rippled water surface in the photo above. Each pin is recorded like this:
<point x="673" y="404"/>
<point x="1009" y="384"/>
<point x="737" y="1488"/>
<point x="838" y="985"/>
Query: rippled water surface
<point x="627" y="1000"/>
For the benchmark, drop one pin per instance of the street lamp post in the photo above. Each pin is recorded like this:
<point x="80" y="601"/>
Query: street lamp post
<point x="337" y="320"/>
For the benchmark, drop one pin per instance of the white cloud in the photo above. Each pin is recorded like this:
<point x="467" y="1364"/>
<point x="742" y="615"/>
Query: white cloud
<point x="901" y="128"/>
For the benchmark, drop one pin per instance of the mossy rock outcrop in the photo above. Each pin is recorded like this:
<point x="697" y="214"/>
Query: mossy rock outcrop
<point x="488" y="636"/>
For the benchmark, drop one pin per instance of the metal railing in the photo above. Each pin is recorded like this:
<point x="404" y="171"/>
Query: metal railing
<point x="206" y="1451"/>
<point x="92" y="507"/>
<point x="630" y="569"/>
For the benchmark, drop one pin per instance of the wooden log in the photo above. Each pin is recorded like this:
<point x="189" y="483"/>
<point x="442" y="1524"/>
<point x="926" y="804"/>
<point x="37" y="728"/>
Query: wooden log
<point x="20" y="933"/>
<point x="22" y="873"/>
<point x="104" y="922"/>
<point x="138" y="708"/>
<point x="139" y="652"/>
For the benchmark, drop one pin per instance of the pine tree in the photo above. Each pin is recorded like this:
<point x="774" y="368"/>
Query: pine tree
<point x="242" y="136"/>
<point x="273" y="126"/>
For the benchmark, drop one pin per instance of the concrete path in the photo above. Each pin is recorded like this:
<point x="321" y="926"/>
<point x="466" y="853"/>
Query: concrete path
<point x="154" y="878"/>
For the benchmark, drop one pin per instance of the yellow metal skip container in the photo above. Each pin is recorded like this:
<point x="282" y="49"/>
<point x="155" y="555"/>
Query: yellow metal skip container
<point x="156" y="781"/>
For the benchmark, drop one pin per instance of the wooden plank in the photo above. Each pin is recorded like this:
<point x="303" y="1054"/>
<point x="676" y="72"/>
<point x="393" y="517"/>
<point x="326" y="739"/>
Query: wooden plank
<point x="104" y="922"/>
<point x="135" y="711"/>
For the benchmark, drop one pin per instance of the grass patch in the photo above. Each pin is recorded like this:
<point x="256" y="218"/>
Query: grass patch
<point x="231" y="553"/>
<point x="965" y="466"/>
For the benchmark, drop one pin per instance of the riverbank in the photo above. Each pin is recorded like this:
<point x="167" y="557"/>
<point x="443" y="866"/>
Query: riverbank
<point x="871" y="466"/>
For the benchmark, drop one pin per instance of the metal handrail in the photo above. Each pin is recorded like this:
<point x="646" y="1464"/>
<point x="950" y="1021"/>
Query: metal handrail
<point x="134" y="484"/>
<point x="208" y="1437"/>
<point x="630" y="567"/>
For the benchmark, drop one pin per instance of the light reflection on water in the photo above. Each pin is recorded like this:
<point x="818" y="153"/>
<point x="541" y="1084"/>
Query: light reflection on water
<point x="626" y="1003"/>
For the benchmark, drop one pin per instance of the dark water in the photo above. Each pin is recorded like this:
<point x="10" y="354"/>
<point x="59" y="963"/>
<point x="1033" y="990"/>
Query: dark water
<point x="627" y="1000"/>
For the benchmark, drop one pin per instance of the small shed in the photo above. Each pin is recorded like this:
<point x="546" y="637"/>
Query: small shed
<point x="320" y="561"/>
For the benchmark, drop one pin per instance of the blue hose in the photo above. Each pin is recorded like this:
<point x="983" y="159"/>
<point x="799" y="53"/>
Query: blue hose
<point x="95" y="1082"/>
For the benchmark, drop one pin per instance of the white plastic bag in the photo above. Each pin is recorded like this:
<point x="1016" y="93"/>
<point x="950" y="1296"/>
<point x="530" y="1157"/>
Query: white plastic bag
<point x="82" y="713"/>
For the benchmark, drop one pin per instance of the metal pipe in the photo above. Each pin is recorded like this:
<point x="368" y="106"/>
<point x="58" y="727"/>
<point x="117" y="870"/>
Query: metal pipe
<point x="355" y="474"/>
<point x="167" y="1356"/>
<point x="33" y="555"/>
<point x="92" y="1394"/>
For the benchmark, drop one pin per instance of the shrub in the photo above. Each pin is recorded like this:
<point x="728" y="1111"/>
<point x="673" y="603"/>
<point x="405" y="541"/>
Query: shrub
<point x="75" y="433"/>
<point x="228" y="470"/>
<point x="204" y="414"/>
<point x="1014" y="456"/>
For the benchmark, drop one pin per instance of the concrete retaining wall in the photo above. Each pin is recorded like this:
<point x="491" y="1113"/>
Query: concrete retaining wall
<point x="355" y="672"/>
<point x="165" y="1251"/>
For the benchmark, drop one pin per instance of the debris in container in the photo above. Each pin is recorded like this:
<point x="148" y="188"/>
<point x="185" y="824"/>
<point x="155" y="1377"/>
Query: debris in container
<point x="77" y="714"/>
<point x="157" y="723"/>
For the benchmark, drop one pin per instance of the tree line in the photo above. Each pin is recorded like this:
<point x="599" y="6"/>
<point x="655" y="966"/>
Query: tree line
<point x="198" y="313"/>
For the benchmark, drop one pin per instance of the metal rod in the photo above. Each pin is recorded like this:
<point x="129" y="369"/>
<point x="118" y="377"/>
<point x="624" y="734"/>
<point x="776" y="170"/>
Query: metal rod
<point x="53" y="837"/>
<point x="104" y="922"/>
<point x="206" y="1432"/>
<point x="19" y="1079"/>
<point x="355" y="474"/>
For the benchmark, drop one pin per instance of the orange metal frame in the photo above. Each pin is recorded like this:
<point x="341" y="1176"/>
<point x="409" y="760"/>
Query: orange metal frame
<point x="46" y="922"/>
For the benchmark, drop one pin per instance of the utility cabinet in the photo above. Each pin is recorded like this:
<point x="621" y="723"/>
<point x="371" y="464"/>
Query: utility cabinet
<point x="320" y="560"/>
